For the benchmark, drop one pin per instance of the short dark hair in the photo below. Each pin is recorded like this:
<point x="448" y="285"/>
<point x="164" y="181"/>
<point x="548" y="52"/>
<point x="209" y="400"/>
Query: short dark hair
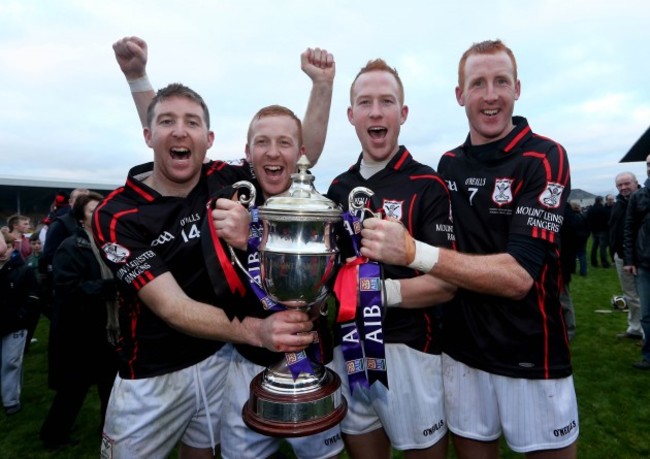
<point x="15" y="218"/>
<point x="80" y="204"/>
<point x="177" y="90"/>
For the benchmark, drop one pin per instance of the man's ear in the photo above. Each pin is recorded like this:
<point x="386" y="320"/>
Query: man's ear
<point x="517" y="89"/>
<point x="247" y="150"/>
<point x="404" y="113"/>
<point x="460" y="96"/>
<point x="146" y="132"/>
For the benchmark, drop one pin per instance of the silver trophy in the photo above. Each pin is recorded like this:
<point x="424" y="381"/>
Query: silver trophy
<point x="298" y="257"/>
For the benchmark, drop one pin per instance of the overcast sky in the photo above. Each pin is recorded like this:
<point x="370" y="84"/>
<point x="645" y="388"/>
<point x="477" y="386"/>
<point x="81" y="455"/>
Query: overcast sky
<point x="66" y="111"/>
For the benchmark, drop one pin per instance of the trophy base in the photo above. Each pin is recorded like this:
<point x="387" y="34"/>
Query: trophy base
<point x="281" y="407"/>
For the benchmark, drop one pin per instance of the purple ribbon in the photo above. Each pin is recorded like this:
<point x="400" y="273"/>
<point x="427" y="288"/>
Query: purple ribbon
<point x="372" y="312"/>
<point x="298" y="362"/>
<point x="365" y="359"/>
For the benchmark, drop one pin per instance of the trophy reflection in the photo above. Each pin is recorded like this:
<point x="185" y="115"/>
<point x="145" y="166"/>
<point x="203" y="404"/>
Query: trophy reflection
<point x="297" y="260"/>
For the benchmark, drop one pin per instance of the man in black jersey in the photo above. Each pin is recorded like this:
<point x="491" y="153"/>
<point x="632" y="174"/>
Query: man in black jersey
<point x="273" y="148"/>
<point x="506" y="360"/>
<point x="172" y="334"/>
<point x="408" y="412"/>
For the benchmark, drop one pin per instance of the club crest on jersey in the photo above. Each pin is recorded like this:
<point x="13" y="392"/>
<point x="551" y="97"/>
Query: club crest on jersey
<point x="551" y="196"/>
<point x="502" y="193"/>
<point x="393" y="209"/>
<point x="115" y="252"/>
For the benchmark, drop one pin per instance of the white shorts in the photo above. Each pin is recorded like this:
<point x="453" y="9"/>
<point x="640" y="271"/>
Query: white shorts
<point x="147" y="417"/>
<point x="532" y="414"/>
<point x="411" y="411"/>
<point x="239" y="441"/>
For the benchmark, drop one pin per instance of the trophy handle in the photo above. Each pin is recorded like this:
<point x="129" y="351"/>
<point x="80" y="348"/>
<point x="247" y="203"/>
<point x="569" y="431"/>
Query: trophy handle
<point x="246" y="199"/>
<point x="358" y="209"/>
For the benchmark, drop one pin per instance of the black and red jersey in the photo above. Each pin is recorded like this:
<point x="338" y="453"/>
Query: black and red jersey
<point x="142" y="235"/>
<point x="414" y="194"/>
<point x="510" y="192"/>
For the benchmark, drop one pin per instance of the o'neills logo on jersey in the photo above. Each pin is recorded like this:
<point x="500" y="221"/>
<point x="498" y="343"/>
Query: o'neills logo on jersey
<point x="115" y="252"/>
<point x="502" y="193"/>
<point x="393" y="209"/>
<point x="551" y="196"/>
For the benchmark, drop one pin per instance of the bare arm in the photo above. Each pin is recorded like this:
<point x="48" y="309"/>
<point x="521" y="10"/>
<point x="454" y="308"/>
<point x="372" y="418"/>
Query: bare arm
<point x="131" y="55"/>
<point x="319" y="65"/>
<point x="424" y="291"/>
<point x="498" y="274"/>
<point x="277" y="332"/>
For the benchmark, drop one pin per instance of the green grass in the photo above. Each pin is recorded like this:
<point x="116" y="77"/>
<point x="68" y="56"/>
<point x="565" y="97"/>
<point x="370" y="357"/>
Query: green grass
<point x="612" y="396"/>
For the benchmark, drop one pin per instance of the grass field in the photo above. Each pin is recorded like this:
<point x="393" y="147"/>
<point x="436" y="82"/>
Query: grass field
<point x="613" y="397"/>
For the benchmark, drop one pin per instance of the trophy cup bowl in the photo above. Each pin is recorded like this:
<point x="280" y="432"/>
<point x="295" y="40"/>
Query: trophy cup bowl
<point x="298" y="256"/>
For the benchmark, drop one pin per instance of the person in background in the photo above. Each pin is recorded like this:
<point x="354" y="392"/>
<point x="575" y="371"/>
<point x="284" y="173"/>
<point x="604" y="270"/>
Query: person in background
<point x="34" y="263"/>
<point x="636" y="260"/>
<point x="569" y="236"/>
<point x="582" y="236"/>
<point x="19" y="227"/>
<point x="626" y="184"/>
<point x="598" y="219"/>
<point x="18" y="296"/>
<point x="62" y="226"/>
<point x="80" y="355"/>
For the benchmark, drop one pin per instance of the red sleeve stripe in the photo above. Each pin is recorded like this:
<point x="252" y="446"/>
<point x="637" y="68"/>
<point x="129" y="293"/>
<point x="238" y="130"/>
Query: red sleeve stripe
<point x="142" y="280"/>
<point x="517" y="138"/>
<point x="411" y="211"/>
<point x="541" y="304"/>
<point x="436" y="178"/>
<point x="134" y="336"/>
<point x="429" y="334"/>
<point x="561" y="172"/>
<point x="98" y="230"/>
<point x="216" y="166"/>
<point x="146" y="196"/>
<point x="423" y="176"/>
<point x="113" y="225"/>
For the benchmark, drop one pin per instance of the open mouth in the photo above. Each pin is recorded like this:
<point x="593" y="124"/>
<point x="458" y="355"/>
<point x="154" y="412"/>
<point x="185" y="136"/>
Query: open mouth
<point x="377" y="132"/>
<point x="492" y="112"/>
<point x="273" y="171"/>
<point x="180" y="153"/>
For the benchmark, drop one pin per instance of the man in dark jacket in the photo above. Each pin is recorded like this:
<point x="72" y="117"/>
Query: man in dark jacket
<point x="62" y="227"/>
<point x="18" y="296"/>
<point x="636" y="245"/>
<point x="598" y="218"/>
<point x="626" y="184"/>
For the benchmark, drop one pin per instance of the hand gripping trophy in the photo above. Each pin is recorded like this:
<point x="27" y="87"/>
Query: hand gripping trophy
<point x="296" y="254"/>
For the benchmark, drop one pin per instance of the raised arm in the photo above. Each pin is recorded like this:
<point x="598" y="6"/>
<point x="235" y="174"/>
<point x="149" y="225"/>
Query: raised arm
<point x="131" y="55"/>
<point x="319" y="65"/>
